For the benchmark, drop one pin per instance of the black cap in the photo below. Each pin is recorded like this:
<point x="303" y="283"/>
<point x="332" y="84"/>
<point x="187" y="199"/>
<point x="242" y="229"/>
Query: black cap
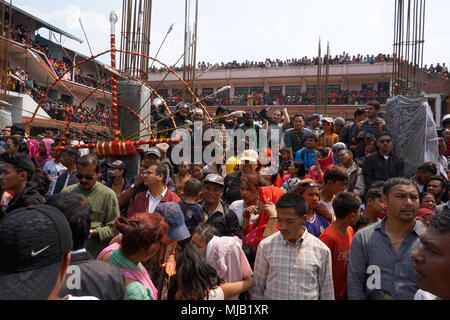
<point x="33" y="243"/>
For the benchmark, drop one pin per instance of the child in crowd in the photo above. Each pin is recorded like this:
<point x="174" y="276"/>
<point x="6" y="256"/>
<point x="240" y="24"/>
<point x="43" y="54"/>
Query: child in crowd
<point x="338" y="237"/>
<point x="285" y="160"/>
<point x="193" y="213"/>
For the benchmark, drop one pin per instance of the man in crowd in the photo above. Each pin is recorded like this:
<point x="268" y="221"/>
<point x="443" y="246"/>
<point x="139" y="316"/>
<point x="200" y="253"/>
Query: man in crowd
<point x="15" y="178"/>
<point x="336" y="180"/>
<point x="153" y="156"/>
<point x="103" y="201"/>
<point x="54" y="168"/>
<point x="375" y="209"/>
<point x="339" y="124"/>
<point x="95" y="278"/>
<point x="251" y="126"/>
<point x="51" y="133"/>
<point x="423" y="175"/>
<point x="368" y="129"/>
<point x="356" y="179"/>
<point x="69" y="158"/>
<point x="219" y="124"/>
<point x="155" y="178"/>
<point x="383" y="164"/>
<point x="314" y="124"/>
<point x="279" y="121"/>
<point x="280" y="272"/>
<point x="380" y="255"/>
<point x="217" y="212"/>
<point x="308" y="154"/>
<point x="46" y="234"/>
<point x="6" y="132"/>
<point x="296" y="136"/>
<point x="338" y="237"/>
<point x="432" y="259"/>
<point x="349" y="131"/>
<point x="437" y="185"/>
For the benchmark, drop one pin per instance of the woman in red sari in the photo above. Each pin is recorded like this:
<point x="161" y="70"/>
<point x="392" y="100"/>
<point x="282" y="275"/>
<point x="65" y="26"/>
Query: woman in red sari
<point x="264" y="208"/>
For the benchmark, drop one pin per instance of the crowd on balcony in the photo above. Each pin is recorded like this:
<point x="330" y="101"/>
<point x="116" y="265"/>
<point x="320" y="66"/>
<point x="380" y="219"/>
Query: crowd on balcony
<point x="22" y="34"/>
<point x="344" y="58"/>
<point x="336" y="97"/>
<point x="440" y="71"/>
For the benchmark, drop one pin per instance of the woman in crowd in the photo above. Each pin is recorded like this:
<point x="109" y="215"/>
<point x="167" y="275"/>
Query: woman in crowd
<point x="428" y="200"/>
<point x="224" y="254"/>
<point x="260" y="206"/>
<point x="44" y="148"/>
<point x="327" y="138"/>
<point x="196" y="171"/>
<point x="140" y="241"/>
<point x="14" y="146"/>
<point x="181" y="177"/>
<point x="197" y="280"/>
<point x="296" y="170"/>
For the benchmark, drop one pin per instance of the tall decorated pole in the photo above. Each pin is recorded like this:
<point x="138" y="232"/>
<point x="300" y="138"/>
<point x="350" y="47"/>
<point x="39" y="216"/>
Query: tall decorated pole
<point x="115" y="120"/>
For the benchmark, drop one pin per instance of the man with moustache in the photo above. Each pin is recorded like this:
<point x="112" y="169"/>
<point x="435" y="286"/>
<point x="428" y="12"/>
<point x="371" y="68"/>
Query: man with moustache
<point x="380" y="255"/>
<point x="103" y="200"/>
<point x="432" y="260"/>
<point x="292" y="264"/>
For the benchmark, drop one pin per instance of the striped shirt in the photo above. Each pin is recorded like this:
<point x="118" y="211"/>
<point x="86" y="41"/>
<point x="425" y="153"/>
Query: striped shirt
<point x="300" y="271"/>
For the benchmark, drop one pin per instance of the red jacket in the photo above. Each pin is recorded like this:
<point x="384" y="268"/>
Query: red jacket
<point x="140" y="202"/>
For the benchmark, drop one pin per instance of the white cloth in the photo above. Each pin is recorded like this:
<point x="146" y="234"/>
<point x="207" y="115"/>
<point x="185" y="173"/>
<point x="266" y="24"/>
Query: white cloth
<point x="329" y="206"/>
<point x="216" y="294"/>
<point x="70" y="297"/>
<point x="238" y="208"/>
<point x="152" y="202"/>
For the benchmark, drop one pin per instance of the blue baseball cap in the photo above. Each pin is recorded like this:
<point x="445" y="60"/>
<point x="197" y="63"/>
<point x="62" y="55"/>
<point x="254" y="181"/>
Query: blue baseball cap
<point x="171" y="211"/>
<point x="314" y="115"/>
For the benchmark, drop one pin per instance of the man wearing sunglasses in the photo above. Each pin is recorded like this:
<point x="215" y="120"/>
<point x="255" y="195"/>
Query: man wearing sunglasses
<point x="382" y="165"/>
<point x="103" y="200"/>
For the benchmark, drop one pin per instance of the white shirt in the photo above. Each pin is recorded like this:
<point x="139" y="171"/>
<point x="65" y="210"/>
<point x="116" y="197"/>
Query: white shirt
<point x="152" y="202"/>
<point x="238" y="208"/>
<point x="329" y="206"/>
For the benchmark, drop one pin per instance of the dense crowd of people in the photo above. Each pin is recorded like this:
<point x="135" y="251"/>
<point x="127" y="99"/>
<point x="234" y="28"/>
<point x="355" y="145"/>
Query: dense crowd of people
<point x="440" y="71"/>
<point x="323" y="212"/>
<point x="21" y="34"/>
<point x="344" y="58"/>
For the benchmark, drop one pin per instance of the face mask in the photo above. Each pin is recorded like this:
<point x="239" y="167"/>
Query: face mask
<point x="111" y="173"/>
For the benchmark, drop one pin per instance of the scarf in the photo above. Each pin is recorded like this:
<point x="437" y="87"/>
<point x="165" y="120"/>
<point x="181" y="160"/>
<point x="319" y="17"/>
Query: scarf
<point x="42" y="160"/>
<point x="129" y="269"/>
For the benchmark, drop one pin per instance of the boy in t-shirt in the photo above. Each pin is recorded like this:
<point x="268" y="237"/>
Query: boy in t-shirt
<point x="285" y="160"/>
<point x="338" y="237"/>
<point x="193" y="212"/>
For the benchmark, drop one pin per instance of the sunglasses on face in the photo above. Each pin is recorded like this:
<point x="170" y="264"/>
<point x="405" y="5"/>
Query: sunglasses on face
<point x="87" y="176"/>
<point x="385" y="141"/>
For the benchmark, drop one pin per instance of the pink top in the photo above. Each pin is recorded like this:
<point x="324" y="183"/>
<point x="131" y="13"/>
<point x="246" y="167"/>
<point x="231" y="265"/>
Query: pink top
<point x="225" y="254"/>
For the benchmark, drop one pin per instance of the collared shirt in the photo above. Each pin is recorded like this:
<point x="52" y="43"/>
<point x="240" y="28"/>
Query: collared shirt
<point x="153" y="202"/>
<point x="285" y="271"/>
<point x="373" y="263"/>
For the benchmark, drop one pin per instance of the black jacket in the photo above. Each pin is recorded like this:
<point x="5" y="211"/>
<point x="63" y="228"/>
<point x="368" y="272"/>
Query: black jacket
<point x="227" y="222"/>
<point x="29" y="196"/>
<point x="232" y="183"/>
<point x="59" y="185"/>
<point x="376" y="167"/>
<point x="97" y="278"/>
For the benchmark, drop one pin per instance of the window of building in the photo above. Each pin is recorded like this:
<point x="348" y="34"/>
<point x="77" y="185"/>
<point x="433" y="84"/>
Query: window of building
<point x="240" y="90"/>
<point x="293" y="90"/>
<point x="256" y="89"/>
<point x="383" y="86"/>
<point x="206" y="91"/>
<point x="163" y="92"/>
<point x="367" y="86"/>
<point x="274" y="90"/>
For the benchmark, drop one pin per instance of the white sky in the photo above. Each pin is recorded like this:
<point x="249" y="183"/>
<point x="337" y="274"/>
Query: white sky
<point x="253" y="29"/>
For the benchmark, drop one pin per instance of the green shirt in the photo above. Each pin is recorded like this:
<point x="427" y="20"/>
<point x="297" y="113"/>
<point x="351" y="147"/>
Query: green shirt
<point x="105" y="210"/>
